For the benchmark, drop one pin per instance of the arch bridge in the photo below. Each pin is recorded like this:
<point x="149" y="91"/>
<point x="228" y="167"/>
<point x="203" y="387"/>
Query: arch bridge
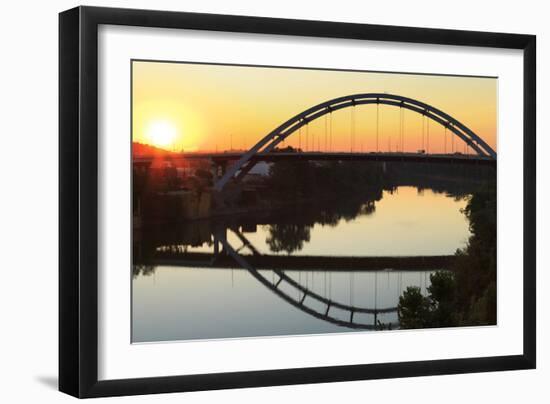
<point x="269" y="142"/>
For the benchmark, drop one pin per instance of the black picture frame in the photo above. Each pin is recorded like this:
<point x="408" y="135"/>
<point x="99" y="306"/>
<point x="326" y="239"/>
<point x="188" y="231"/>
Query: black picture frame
<point x="78" y="203"/>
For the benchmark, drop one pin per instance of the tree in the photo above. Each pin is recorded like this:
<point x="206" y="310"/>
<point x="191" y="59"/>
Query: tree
<point x="287" y="237"/>
<point x="475" y="266"/>
<point x="413" y="310"/>
<point x="442" y="296"/>
<point x="438" y="309"/>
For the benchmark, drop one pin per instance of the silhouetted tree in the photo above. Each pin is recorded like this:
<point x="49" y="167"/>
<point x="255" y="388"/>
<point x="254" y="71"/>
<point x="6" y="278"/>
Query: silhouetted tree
<point x="442" y="296"/>
<point x="475" y="267"/>
<point x="413" y="310"/>
<point x="143" y="270"/>
<point x="287" y="237"/>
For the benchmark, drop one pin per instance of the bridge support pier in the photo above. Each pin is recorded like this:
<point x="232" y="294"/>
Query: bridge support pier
<point x="216" y="247"/>
<point x="220" y="237"/>
<point x="218" y="168"/>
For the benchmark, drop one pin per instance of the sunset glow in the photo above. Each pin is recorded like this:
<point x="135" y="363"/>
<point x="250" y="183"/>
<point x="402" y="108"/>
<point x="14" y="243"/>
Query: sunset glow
<point x="232" y="107"/>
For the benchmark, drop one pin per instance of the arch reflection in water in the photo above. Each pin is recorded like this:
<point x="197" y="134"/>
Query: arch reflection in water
<point x="230" y="303"/>
<point x="304" y="292"/>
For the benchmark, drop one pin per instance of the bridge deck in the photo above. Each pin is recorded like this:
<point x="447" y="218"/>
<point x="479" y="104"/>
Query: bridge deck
<point x="307" y="263"/>
<point x="332" y="156"/>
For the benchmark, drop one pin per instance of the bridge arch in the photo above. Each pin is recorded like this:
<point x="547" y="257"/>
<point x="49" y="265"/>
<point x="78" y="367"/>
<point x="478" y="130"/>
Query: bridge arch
<point x="301" y="303"/>
<point x="280" y="133"/>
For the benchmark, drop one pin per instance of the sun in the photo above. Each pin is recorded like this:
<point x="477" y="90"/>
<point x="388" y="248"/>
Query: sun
<point x="161" y="133"/>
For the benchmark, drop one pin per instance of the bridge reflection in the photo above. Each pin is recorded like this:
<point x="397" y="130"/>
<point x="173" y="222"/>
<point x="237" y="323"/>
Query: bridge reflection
<point x="303" y="304"/>
<point x="178" y="257"/>
<point x="274" y="272"/>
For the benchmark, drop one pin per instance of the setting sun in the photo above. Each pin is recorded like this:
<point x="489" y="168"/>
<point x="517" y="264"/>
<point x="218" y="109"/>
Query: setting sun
<point x="161" y="133"/>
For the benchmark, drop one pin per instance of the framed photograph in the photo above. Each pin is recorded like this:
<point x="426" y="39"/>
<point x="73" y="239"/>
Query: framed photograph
<point x="252" y="201"/>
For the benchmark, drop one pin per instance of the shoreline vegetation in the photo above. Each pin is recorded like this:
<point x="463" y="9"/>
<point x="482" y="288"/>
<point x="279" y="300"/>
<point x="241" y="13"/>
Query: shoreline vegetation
<point x="164" y="193"/>
<point x="466" y="295"/>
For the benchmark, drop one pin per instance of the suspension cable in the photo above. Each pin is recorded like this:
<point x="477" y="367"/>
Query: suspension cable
<point x="404" y="128"/>
<point x="330" y="285"/>
<point x="307" y="137"/>
<point x="400" y="128"/>
<point x="352" y="128"/>
<point x="318" y="142"/>
<point x="452" y="144"/>
<point x="445" y="141"/>
<point x="427" y="135"/>
<point x="330" y="134"/>
<point x="326" y="124"/>
<point x="351" y="282"/>
<point x="377" y="124"/>
<point x="375" y="290"/>
<point x="423" y="130"/>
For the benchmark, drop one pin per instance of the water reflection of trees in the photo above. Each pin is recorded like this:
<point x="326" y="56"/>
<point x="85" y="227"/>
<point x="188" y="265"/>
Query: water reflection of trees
<point x="455" y="181"/>
<point x="142" y="269"/>
<point x="327" y="193"/>
<point x="291" y="229"/>
<point x="304" y="194"/>
<point x="287" y="237"/>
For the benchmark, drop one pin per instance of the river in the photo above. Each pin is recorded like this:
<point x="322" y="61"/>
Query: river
<point x="186" y="302"/>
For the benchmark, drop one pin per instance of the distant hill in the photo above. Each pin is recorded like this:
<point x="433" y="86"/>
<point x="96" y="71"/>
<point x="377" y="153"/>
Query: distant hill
<point x="141" y="149"/>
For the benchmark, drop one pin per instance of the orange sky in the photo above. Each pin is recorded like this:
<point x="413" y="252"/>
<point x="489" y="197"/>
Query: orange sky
<point x="209" y="107"/>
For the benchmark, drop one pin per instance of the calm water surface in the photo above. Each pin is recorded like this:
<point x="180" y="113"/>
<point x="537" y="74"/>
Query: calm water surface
<point x="190" y="302"/>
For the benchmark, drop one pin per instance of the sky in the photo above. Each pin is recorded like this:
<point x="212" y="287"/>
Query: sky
<point x="199" y="107"/>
